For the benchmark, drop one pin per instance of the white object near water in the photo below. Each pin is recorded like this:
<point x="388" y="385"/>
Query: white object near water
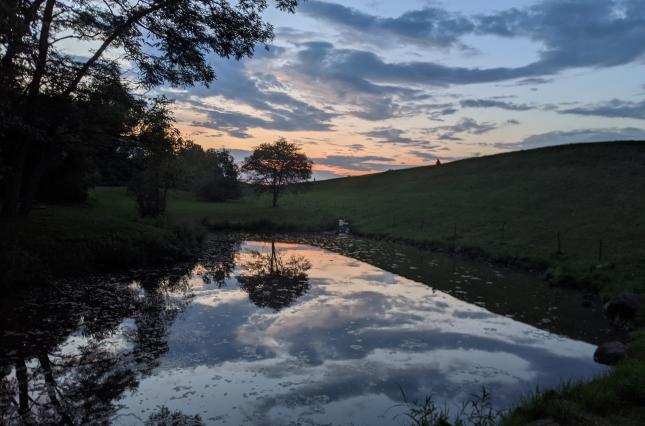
<point x="343" y="226"/>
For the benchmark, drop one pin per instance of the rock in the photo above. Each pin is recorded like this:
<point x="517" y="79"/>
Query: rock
<point x="610" y="353"/>
<point x="623" y="307"/>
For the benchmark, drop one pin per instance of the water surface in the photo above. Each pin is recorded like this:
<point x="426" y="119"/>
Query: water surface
<point x="268" y="333"/>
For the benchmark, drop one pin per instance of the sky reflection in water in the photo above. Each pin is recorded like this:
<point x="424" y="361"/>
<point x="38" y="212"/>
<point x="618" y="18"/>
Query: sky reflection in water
<point x="342" y="351"/>
<point x="262" y="333"/>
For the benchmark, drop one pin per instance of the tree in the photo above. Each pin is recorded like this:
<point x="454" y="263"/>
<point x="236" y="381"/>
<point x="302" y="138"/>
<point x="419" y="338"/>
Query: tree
<point x="219" y="182"/>
<point x="93" y="142"/>
<point x="212" y="174"/>
<point x="168" y="41"/>
<point x="272" y="167"/>
<point x="159" y="145"/>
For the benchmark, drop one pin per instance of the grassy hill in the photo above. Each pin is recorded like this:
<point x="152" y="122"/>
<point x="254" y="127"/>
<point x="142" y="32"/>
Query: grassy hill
<point x="510" y="206"/>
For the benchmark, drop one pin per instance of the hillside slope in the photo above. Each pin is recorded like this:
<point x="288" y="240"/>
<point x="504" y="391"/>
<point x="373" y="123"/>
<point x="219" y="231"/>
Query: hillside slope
<point x="509" y="205"/>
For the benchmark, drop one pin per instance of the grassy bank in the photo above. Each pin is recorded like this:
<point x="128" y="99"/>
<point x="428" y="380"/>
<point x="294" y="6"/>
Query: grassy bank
<point x="617" y="398"/>
<point x="102" y="235"/>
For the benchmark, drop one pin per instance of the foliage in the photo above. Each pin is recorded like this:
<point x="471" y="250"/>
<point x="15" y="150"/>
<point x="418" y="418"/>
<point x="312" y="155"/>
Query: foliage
<point x="95" y="130"/>
<point x="42" y="84"/>
<point x="159" y="143"/>
<point x="272" y="167"/>
<point x="212" y="174"/>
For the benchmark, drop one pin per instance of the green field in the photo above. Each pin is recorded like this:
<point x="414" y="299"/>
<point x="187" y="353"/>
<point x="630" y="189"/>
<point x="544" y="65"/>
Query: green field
<point x="510" y="206"/>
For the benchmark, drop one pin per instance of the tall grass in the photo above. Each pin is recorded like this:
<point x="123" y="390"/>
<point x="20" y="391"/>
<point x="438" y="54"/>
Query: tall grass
<point x="477" y="411"/>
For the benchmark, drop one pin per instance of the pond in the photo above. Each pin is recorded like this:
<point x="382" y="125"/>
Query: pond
<point x="276" y="333"/>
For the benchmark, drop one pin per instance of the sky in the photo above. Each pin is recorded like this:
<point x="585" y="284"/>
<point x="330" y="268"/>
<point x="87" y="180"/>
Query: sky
<point x="370" y="85"/>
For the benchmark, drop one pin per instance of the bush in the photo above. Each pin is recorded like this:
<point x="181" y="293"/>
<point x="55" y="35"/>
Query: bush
<point x="217" y="189"/>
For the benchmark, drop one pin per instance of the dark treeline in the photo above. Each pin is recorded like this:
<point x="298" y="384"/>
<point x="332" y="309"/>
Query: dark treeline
<point x="68" y="121"/>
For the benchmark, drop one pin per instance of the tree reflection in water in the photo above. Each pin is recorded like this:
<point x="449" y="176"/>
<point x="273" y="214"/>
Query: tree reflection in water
<point x="164" y="417"/>
<point x="272" y="281"/>
<point x="68" y="353"/>
<point x="218" y="261"/>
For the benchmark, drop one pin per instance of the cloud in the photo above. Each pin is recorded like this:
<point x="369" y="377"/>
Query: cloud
<point x="237" y="124"/>
<point x="433" y="156"/>
<point x="391" y="136"/>
<point x="492" y="103"/>
<point x="357" y="163"/>
<point x="532" y="81"/>
<point x="566" y="30"/>
<point x="577" y="136"/>
<point x="613" y="108"/>
<point x="464" y="125"/>
<point x="361" y="70"/>
<point x="470" y="125"/>
<point x="274" y="108"/>
<point x="316" y="65"/>
<point x="574" y="33"/>
<point x="436" y="111"/>
<point x="357" y="147"/>
<point x="427" y="26"/>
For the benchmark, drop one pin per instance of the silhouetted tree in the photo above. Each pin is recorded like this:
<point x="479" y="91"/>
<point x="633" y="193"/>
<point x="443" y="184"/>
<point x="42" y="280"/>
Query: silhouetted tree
<point x="158" y="145"/>
<point x="218" y="179"/>
<point x="272" y="167"/>
<point x="168" y="41"/>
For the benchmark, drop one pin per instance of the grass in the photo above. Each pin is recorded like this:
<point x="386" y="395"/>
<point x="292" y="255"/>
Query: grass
<point x="512" y="207"/>
<point x="617" y="398"/>
<point x="477" y="411"/>
<point x="103" y="235"/>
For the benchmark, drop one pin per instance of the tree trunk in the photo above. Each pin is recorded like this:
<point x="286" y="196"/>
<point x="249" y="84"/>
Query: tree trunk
<point x="43" y="50"/>
<point x="45" y="364"/>
<point x="11" y="205"/>
<point x="23" y="389"/>
<point x="32" y="180"/>
<point x="13" y="183"/>
<point x="275" y="196"/>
